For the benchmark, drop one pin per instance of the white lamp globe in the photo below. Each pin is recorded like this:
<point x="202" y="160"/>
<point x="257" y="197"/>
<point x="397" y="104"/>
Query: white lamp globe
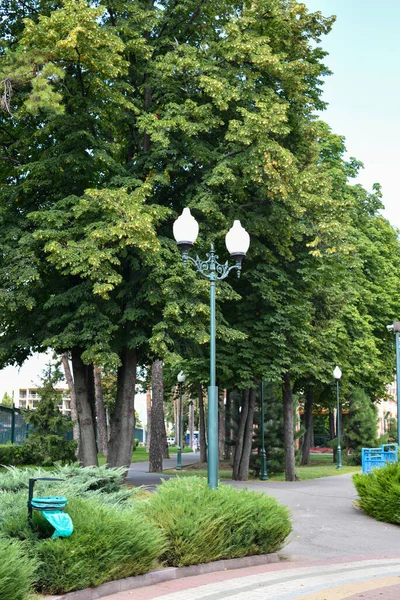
<point x="337" y="373"/>
<point x="237" y="240"/>
<point x="181" y="377"/>
<point x="186" y="229"/>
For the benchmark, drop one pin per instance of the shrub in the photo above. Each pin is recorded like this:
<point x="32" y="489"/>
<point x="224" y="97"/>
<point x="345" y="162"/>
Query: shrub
<point x="379" y="492"/>
<point x="16" y="570"/>
<point x="109" y="542"/>
<point x="202" y="525"/>
<point x="12" y="454"/>
<point x="76" y="480"/>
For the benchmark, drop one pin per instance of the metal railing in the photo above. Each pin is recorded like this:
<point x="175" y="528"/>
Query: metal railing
<point x="375" y="458"/>
<point x="13" y="427"/>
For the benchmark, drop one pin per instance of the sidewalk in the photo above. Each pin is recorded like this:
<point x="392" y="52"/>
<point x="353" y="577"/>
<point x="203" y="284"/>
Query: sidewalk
<point x="335" y="552"/>
<point x="344" y="579"/>
<point x="138" y="473"/>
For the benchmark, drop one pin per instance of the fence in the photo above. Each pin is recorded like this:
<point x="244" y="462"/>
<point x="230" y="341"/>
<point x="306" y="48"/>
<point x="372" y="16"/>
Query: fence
<point x="12" y="426"/>
<point x="375" y="458"/>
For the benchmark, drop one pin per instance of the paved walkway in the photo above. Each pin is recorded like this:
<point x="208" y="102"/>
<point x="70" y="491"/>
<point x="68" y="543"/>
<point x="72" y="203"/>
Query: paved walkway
<point x="374" y="579"/>
<point x="335" y="552"/>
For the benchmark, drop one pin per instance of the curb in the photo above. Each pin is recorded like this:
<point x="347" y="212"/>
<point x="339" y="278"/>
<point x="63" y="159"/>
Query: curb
<point x="168" y="574"/>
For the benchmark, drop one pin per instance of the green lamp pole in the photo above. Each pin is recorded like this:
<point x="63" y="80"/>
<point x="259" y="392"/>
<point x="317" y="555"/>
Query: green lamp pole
<point x="396" y="328"/>
<point x="181" y="380"/>
<point x="263" y="472"/>
<point x="237" y="241"/>
<point x="337" y="373"/>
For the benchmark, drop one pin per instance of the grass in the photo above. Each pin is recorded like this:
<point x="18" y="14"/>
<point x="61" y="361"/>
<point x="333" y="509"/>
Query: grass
<point x="321" y="466"/>
<point x="140" y="454"/>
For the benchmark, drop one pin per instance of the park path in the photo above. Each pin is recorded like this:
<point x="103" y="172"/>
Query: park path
<point x="335" y="552"/>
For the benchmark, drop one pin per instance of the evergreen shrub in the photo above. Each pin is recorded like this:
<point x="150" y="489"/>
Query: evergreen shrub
<point x="202" y="525"/>
<point x="12" y="454"/>
<point x="109" y="542"/>
<point x="379" y="493"/>
<point x="17" y="570"/>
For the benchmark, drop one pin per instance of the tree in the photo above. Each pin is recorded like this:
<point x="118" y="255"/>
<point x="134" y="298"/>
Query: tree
<point x="46" y="442"/>
<point x="122" y="114"/>
<point x="360" y="424"/>
<point x="7" y="400"/>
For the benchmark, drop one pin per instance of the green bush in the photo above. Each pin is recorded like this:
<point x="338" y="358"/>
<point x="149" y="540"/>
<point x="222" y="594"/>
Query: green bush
<point x="379" y="493"/>
<point x="202" y="525"/>
<point x="16" y="570"/>
<point x="12" y="454"/>
<point x="109" y="542"/>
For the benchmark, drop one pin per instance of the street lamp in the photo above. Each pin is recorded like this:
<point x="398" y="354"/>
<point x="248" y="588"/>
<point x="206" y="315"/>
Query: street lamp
<point x="237" y="241"/>
<point x="337" y="373"/>
<point x="263" y="472"/>
<point x="396" y="328"/>
<point x="181" y="379"/>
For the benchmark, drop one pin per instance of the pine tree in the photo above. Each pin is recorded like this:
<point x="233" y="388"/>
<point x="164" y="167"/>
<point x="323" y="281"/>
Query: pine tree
<point x="360" y="424"/>
<point x="46" y="442"/>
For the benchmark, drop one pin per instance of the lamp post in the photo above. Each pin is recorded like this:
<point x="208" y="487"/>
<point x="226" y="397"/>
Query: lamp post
<point x="181" y="379"/>
<point x="396" y="328"/>
<point x="237" y="241"/>
<point x="337" y="373"/>
<point x="263" y="472"/>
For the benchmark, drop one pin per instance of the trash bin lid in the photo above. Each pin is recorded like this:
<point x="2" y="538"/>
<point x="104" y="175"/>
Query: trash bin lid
<point x="49" y="502"/>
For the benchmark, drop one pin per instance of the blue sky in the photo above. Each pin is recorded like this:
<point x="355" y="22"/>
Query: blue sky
<point x="364" y="91"/>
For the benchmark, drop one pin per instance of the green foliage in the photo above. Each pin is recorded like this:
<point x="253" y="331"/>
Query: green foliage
<point x="46" y="444"/>
<point x="12" y="454"/>
<point x="379" y="493"/>
<point x="17" y="570"/>
<point x="273" y="428"/>
<point x="108" y="543"/>
<point x="360" y="426"/>
<point x="202" y="525"/>
<point x="7" y="400"/>
<point x="76" y="480"/>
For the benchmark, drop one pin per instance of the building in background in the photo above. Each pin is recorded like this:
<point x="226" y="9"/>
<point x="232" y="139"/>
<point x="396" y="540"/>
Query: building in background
<point x="28" y="397"/>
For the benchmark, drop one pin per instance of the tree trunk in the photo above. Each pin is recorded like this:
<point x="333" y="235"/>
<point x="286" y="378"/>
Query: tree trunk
<point x="221" y="424"/>
<point x="191" y="424"/>
<point x="120" y="446"/>
<point x="87" y="447"/>
<point x="148" y="409"/>
<point x="100" y="413"/>
<point x="288" y="430"/>
<point x="308" y="424"/>
<point x="202" y="425"/>
<point x="244" y="439"/>
<point x="228" y="426"/>
<point x="239" y="442"/>
<point x="71" y="387"/>
<point x="243" y="474"/>
<point x="157" y="418"/>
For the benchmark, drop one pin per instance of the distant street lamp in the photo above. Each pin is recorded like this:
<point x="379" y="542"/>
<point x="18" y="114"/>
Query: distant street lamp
<point x="396" y="328"/>
<point x="181" y="380"/>
<point x="337" y="373"/>
<point x="237" y="241"/>
<point x="263" y="471"/>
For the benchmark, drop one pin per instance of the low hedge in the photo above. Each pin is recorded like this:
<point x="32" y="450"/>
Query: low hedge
<point x="120" y="532"/>
<point x="379" y="493"/>
<point x="109" y="542"/>
<point x="202" y="525"/>
<point x="16" y="570"/>
<point x="12" y="454"/>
